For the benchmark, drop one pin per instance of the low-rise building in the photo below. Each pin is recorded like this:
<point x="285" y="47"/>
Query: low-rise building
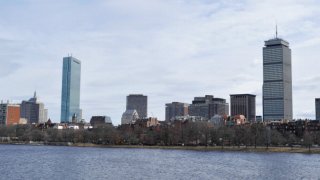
<point x="100" y="121"/>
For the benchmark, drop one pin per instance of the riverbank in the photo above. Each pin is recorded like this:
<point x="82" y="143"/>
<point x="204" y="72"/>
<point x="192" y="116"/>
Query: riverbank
<point x="193" y="148"/>
<point x="214" y="148"/>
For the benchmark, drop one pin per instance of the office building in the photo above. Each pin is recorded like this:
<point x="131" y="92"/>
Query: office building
<point x="175" y="109"/>
<point x="139" y="103"/>
<point x="100" y="121"/>
<point x="243" y="104"/>
<point x="129" y="117"/>
<point x="208" y="106"/>
<point x="70" y="96"/>
<point x="277" y="80"/>
<point x="9" y="113"/>
<point x="317" y="108"/>
<point x="33" y="110"/>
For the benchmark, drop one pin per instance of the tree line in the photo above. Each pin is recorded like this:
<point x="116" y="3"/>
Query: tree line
<point x="174" y="134"/>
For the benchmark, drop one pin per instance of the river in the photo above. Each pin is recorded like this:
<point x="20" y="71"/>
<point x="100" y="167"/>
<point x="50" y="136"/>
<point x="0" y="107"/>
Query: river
<point x="58" y="162"/>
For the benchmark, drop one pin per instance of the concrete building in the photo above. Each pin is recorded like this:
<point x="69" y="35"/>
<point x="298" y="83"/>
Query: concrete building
<point x="277" y="80"/>
<point x="243" y="104"/>
<point x="175" y="109"/>
<point x="208" y="106"/>
<point x="139" y="103"/>
<point x="33" y="110"/>
<point x="100" y="120"/>
<point x="317" y="108"/>
<point x="9" y="113"/>
<point x="129" y="117"/>
<point x="70" y="96"/>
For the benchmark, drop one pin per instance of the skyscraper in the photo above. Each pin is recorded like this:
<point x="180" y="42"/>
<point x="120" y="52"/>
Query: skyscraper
<point x="139" y="103"/>
<point x="277" y="80"/>
<point x="33" y="110"/>
<point x="317" y="108"/>
<point x="243" y="104"/>
<point x="175" y="109"/>
<point x="208" y="106"/>
<point x="70" y="96"/>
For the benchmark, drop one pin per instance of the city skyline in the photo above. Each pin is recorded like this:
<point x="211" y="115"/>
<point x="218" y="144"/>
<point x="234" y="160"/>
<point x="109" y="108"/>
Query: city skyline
<point x="165" y="50"/>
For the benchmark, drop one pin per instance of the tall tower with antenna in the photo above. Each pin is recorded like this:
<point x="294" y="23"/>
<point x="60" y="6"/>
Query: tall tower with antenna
<point x="277" y="80"/>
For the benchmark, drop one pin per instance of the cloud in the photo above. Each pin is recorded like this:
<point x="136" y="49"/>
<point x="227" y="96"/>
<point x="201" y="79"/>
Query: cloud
<point x="168" y="50"/>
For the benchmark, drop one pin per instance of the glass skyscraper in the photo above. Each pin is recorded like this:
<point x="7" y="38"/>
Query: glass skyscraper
<point x="70" y="97"/>
<point x="277" y="80"/>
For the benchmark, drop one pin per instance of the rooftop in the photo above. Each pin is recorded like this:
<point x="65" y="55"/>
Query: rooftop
<point x="276" y="41"/>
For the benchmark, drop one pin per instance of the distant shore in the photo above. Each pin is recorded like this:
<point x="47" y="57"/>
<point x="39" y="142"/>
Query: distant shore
<point x="272" y="149"/>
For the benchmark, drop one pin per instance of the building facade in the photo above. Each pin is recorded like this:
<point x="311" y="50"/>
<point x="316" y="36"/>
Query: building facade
<point x="139" y="103"/>
<point x="277" y="80"/>
<point x="208" y="106"/>
<point x="33" y="111"/>
<point x="175" y="109"/>
<point x="70" y="96"/>
<point x="129" y="117"/>
<point x="9" y="113"/>
<point x="100" y="120"/>
<point x="243" y="104"/>
<point x="317" y="108"/>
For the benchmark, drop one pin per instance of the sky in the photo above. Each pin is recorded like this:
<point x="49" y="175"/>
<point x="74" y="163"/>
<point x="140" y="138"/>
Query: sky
<point x="169" y="50"/>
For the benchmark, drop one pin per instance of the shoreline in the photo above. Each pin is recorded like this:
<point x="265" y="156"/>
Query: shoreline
<point x="258" y="149"/>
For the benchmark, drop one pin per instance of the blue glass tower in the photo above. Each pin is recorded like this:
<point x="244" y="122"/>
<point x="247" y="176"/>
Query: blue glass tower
<point x="70" y="96"/>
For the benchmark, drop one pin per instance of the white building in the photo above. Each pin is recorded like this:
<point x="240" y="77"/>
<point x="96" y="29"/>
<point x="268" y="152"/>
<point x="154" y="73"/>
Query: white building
<point x="129" y="117"/>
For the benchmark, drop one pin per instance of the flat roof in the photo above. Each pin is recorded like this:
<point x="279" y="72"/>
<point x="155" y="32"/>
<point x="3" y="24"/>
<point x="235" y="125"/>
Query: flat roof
<point x="242" y="95"/>
<point x="276" y="41"/>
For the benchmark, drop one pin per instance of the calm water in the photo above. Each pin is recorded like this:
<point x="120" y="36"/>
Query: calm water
<point x="52" y="162"/>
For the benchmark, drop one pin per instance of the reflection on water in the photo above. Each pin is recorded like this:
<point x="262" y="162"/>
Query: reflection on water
<point x="50" y="162"/>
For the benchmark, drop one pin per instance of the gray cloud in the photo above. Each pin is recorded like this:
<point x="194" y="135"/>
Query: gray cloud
<point x="168" y="50"/>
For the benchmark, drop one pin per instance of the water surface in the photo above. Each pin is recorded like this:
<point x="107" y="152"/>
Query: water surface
<point x="54" y="162"/>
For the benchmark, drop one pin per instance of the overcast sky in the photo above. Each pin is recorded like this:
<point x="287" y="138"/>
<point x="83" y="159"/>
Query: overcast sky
<point x="169" y="50"/>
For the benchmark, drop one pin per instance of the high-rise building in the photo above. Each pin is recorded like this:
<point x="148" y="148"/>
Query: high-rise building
<point x="317" y="108"/>
<point x="70" y="96"/>
<point x="33" y="110"/>
<point x="243" y="104"/>
<point x="208" y="106"/>
<point x="175" y="109"/>
<point x="139" y="103"/>
<point x="277" y="80"/>
<point x="9" y="113"/>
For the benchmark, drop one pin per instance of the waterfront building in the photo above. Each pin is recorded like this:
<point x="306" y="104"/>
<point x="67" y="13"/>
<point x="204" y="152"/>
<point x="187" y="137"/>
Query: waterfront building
<point x="317" y="108"/>
<point x="277" y="80"/>
<point x="175" y="109"/>
<point x="139" y="103"/>
<point x="243" y="104"/>
<point x="9" y="113"/>
<point x="208" y="106"/>
<point x="33" y="110"/>
<point x="70" y="96"/>
<point x="129" y="117"/>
